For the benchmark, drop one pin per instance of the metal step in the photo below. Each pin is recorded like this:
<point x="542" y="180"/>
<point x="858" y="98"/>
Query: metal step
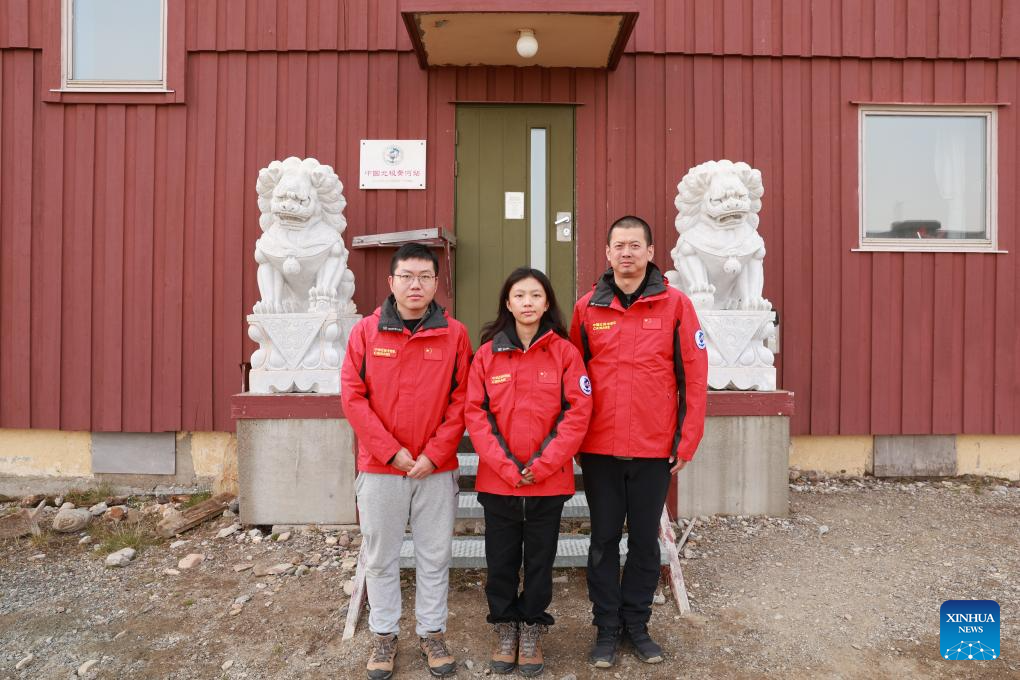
<point x="469" y="465"/>
<point x="468" y="506"/>
<point x="469" y="552"/>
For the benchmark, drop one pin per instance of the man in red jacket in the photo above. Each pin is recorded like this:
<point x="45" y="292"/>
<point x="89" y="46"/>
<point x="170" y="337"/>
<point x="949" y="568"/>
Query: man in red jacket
<point x="645" y="354"/>
<point x="403" y="387"/>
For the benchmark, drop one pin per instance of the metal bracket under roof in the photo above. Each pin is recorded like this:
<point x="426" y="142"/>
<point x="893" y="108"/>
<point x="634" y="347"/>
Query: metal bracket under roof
<point x="435" y="237"/>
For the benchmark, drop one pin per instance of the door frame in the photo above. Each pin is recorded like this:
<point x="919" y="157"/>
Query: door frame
<point x="567" y="297"/>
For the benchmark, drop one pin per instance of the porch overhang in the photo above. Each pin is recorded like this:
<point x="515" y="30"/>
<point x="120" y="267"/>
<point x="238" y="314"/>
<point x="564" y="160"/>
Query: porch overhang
<point x="570" y="33"/>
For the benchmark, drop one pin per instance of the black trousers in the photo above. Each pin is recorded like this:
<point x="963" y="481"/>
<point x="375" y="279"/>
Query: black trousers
<point x="520" y="530"/>
<point x="633" y="491"/>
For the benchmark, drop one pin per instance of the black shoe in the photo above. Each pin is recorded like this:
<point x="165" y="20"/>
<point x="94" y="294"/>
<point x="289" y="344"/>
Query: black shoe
<point x="603" y="652"/>
<point x="644" y="646"/>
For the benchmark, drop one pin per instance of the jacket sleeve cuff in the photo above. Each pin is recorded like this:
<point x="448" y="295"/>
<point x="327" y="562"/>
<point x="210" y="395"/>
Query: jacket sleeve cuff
<point x="684" y="453"/>
<point x="437" y="460"/>
<point x="541" y="470"/>
<point x="386" y="452"/>
<point x="513" y="476"/>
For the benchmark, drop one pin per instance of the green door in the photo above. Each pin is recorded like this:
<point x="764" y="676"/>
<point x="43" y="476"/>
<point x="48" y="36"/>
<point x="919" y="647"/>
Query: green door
<point x="515" y="181"/>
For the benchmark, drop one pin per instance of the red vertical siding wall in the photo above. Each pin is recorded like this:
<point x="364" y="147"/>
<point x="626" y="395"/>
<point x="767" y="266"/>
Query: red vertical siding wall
<point x="127" y="230"/>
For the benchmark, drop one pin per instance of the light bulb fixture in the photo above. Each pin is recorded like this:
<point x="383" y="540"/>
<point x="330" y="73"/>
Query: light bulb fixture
<point x="527" y="45"/>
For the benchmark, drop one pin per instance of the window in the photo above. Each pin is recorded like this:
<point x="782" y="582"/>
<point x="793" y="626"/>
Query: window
<point x="114" y="45"/>
<point x="927" y="178"/>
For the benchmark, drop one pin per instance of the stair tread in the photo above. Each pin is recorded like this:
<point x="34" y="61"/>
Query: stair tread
<point x="469" y="551"/>
<point x="468" y="463"/>
<point x="468" y="506"/>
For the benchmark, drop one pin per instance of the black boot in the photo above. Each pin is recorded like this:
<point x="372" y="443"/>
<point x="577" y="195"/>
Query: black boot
<point x="603" y="652"/>
<point x="644" y="646"/>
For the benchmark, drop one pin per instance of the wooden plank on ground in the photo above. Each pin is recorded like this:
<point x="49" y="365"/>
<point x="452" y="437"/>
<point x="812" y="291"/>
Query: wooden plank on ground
<point x="676" y="576"/>
<point x="687" y="532"/>
<point x="195" y="515"/>
<point x="357" y="602"/>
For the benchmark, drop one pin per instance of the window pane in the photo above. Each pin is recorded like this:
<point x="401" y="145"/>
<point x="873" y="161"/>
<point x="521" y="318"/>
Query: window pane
<point x="539" y="209"/>
<point x="925" y="176"/>
<point x="117" y="40"/>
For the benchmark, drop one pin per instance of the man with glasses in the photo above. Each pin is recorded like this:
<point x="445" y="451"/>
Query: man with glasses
<point x="403" y="387"/>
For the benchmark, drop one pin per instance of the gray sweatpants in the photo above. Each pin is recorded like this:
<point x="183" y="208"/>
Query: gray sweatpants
<point x="385" y="504"/>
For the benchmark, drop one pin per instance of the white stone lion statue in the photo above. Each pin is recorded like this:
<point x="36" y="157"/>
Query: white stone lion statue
<point x="719" y="254"/>
<point x="302" y="260"/>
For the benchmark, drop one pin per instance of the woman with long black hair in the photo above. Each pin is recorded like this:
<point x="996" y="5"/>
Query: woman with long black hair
<point x="529" y="402"/>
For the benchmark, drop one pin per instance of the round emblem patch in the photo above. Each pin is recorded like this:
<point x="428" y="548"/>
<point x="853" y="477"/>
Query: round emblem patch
<point x="585" y="385"/>
<point x="393" y="154"/>
<point x="699" y="339"/>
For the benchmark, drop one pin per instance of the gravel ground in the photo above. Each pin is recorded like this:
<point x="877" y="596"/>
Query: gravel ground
<point x="848" y="586"/>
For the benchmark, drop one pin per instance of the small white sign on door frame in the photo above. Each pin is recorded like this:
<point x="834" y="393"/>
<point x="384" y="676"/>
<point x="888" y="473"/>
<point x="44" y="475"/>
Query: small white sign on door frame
<point x="392" y="164"/>
<point x="513" y="205"/>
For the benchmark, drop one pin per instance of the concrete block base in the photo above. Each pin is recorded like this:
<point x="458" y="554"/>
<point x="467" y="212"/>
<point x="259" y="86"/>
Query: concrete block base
<point x="296" y="471"/>
<point x="741" y="468"/>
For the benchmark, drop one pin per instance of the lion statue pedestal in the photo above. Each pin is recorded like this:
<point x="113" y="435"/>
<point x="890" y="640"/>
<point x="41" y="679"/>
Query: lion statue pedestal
<point x="719" y="265"/>
<point x="306" y="312"/>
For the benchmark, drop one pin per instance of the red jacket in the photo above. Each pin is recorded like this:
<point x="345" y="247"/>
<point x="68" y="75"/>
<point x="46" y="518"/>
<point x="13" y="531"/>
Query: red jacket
<point x="406" y="390"/>
<point x="648" y="367"/>
<point x="527" y="409"/>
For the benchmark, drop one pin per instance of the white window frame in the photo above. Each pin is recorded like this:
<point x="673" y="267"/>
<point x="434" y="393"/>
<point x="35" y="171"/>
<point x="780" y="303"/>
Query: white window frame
<point x="69" y="84"/>
<point x="983" y="245"/>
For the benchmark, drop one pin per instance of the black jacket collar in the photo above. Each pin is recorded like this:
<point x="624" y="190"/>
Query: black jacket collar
<point x="605" y="289"/>
<point x="507" y="340"/>
<point x="389" y="319"/>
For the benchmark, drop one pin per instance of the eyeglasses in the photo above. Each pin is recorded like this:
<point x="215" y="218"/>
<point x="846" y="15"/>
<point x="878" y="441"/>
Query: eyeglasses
<point x="423" y="279"/>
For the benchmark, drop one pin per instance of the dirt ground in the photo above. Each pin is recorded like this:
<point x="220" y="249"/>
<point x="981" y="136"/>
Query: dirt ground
<point x="848" y="586"/>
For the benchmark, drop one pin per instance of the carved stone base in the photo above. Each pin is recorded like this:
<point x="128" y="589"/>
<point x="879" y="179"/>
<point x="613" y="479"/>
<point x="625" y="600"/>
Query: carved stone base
<point x="737" y="355"/>
<point x="264" y="381"/>
<point x="757" y="379"/>
<point x="298" y="352"/>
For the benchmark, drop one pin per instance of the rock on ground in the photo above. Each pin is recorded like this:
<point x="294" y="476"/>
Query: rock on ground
<point x="86" y="667"/>
<point x="120" y="558"/>
<point x="191" y="561"/>
<point x="71" y="520"/>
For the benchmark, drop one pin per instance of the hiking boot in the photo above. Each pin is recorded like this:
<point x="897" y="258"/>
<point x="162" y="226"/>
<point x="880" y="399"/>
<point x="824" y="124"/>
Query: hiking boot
<point x="603" y="652"/>
<point x="437" y="655"/>
<point x="529" y="654"/>
<point x="504" y="659"/>
<point x="644" y="646"/>
<point x="380" y="664"/>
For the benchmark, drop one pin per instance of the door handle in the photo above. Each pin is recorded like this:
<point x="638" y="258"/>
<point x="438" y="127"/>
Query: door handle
<point x="564" y="229"/>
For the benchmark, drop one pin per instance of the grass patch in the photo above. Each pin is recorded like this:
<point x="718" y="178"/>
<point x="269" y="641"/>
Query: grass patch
<point x="89" y="497"/>
<point x="44" y="539"/>
<point x="196" y="498"/>
<point x="189" y="602"/>
<point x="112" y="537"/>
<point x="40" y="540"/>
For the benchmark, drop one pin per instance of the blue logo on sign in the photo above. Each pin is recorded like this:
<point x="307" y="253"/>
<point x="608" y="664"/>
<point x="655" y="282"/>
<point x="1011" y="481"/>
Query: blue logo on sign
<point x="699" y="339"/>
<point x="969" y="630"/>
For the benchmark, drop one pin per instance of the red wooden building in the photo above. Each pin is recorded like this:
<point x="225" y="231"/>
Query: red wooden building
<point x="128" y="213"/>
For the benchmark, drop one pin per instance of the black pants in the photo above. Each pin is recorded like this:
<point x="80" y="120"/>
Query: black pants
<point x="516" y="529"/>
<point x="633" y="491"/>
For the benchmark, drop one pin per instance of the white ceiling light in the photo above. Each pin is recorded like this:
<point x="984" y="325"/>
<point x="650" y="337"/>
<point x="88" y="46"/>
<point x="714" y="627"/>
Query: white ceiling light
<point x="527" y="45"/>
